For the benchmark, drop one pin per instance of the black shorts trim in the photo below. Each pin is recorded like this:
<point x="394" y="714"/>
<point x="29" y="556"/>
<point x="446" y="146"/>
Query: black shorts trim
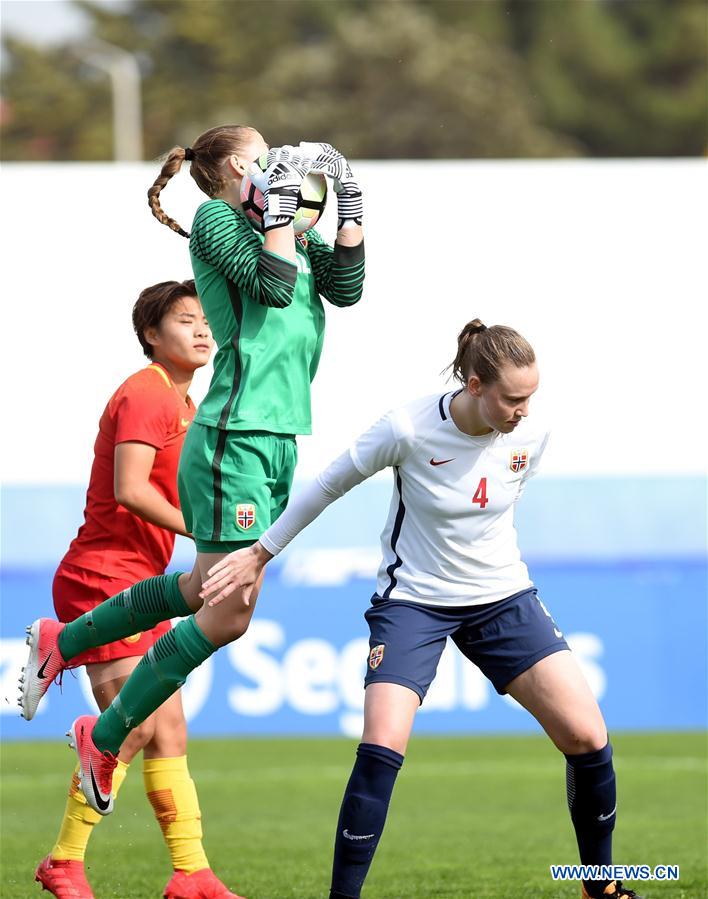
<point x="218" y="491"/>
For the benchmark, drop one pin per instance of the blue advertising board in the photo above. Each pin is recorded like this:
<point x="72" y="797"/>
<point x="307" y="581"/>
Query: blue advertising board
<point x="637" y="625"/>
<point x="636" y="629"/>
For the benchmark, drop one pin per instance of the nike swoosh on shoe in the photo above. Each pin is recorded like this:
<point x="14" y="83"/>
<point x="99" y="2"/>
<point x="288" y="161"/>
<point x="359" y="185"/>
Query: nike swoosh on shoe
<point x="40" y="670"/>
<point x="100" y="801"/>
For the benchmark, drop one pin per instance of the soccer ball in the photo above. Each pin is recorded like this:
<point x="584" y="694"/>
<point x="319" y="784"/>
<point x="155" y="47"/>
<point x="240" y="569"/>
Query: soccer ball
<point x="311" y="200"/>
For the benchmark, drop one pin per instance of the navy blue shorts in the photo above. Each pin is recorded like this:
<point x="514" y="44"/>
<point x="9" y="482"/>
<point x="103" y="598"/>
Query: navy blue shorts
<point x="503" y="639"/>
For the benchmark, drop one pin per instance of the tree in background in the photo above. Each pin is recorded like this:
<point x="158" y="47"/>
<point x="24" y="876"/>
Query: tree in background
<point x="383" y="78"/>
<point x="623" y="78"/>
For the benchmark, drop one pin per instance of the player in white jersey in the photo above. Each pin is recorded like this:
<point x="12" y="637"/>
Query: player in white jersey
<point x="451" y="567"/>
<point x="453" y="491"/>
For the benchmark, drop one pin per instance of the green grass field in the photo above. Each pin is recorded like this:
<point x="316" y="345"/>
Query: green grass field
<point x="471" y="817"/>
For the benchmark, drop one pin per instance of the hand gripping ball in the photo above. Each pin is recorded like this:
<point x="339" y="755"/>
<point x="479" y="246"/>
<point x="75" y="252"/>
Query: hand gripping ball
<point x="311" y="200"/>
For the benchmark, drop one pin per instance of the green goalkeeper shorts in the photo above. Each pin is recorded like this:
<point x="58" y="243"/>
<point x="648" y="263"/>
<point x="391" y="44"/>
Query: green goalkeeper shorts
<point x="233" y="484"/>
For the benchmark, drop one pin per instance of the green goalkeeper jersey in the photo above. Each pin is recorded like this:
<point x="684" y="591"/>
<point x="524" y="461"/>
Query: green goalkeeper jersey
<point x="267" y="318"/>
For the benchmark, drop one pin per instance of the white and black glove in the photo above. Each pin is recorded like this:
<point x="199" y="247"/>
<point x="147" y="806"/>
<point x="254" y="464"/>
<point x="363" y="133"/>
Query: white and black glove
<point x="284" y="153"/>
<point x="280" y="185"/>
<point x="326" y="160"/>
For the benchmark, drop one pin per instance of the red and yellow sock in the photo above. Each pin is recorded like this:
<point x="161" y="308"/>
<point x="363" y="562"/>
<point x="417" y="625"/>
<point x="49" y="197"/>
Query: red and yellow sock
<point x="173" y="796"/>
<point x="80" y="819"/>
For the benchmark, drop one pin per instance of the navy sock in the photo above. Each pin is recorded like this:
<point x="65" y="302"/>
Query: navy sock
<point x="362" y="817"/>
<point x="592" y="800"/>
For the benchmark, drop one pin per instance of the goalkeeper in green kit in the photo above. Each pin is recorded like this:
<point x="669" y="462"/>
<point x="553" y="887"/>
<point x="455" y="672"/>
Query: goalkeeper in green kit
<point x="262" y="296"/>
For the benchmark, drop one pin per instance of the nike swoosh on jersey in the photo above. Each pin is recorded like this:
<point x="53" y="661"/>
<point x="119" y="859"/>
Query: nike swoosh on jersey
<point x="40" y="670"/>
<point x="433" y="461"/>
<point x="100" y="801"/>
<point x="185" y="422"/>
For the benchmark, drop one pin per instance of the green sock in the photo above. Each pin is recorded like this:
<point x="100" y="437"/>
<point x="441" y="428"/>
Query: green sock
<point x="162" y="670"/>
<point x="136" y="609"/>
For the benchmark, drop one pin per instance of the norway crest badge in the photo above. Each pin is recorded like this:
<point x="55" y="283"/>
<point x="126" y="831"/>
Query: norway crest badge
<point x="519" y="460"/>
<point x="245" y="515"/>
<point x="376" y="656"/>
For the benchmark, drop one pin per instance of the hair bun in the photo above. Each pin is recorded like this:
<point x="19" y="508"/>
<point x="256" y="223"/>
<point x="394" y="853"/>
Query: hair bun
<point x="474" y="327"/>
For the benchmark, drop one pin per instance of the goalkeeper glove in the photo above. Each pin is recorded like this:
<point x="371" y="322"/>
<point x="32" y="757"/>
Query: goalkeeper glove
<point x="280" y="186"/>
<point x="326" y="160"/>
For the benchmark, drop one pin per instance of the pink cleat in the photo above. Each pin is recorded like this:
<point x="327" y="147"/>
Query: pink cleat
<point x="96" y="767"/>
<point x="44" y="664"/>
<point x="202" y="884"/>
<point x="63" y="878"/>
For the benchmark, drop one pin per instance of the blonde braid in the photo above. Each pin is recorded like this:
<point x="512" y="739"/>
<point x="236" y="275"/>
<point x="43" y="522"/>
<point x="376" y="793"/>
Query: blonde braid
<point x="173" y="163"/>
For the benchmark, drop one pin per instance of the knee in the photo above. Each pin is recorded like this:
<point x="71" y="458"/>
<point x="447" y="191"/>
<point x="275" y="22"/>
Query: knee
<point x="583" y="739"/>
<point x="233" y="630"/>
<point x="387" y="737"/>
<point x="239" y="629"/>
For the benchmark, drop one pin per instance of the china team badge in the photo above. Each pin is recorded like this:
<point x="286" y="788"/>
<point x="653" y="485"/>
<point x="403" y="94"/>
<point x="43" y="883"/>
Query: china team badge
<point x="519" y="460"/>
<point x="245" y="515"/>
<point x="376" y="656"/>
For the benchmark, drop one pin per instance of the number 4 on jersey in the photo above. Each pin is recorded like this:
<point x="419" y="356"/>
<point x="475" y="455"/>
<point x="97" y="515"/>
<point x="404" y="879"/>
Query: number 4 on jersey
<point x="480" y="494"/>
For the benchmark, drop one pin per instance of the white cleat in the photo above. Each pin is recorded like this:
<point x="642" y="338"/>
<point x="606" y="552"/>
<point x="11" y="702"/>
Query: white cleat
<point x="44" y="664"/>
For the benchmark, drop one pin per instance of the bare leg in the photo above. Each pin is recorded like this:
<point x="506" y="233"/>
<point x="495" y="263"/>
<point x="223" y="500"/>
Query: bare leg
<point x="557" y="695"/>
<point x="389" y="712"/>
<point x="229" y="620"/>
<point x="190" y="584"/>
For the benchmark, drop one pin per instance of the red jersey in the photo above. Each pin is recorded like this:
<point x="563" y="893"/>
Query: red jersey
<point x="147" y="408"/>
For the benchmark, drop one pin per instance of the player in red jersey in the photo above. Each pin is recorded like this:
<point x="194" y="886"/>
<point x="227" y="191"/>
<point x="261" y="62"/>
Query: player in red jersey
<point x="132" y="515"/>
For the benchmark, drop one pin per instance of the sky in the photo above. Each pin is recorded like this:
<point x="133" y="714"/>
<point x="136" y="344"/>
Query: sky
<point x="44" y="21"/>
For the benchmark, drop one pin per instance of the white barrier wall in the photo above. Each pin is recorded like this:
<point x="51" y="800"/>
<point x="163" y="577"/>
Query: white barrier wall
<point x="601" y="264"/>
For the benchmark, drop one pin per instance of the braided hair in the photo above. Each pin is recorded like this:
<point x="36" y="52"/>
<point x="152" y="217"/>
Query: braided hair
<point x="206" y="157"/>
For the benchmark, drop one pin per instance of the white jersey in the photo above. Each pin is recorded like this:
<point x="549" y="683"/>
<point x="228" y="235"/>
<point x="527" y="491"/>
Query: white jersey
<point x="449" y="539"/>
